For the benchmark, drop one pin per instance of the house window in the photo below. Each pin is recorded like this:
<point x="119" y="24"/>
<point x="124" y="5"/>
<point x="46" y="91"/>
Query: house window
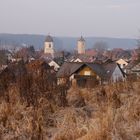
<point x="87" y="73"/>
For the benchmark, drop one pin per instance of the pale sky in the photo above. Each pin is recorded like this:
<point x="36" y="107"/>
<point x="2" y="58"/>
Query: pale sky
<point x="104" y="18"/>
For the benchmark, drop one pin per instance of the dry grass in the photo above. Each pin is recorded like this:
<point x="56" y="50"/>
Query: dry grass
<point x="104" y="113"/>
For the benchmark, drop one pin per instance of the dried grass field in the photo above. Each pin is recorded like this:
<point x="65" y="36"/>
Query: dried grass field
<point x="111" y="112"/>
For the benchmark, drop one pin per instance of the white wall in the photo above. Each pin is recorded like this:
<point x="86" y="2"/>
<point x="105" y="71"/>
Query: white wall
<point x="81" y="47"/>
<point x="55" y="65"/>
<point x="117" y="74"/>
<point x="49" y="47"/>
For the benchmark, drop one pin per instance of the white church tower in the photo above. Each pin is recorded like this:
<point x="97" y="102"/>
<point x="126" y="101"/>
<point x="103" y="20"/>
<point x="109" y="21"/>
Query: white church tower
<point x="81" y="46"/>
<point x="49" y="45"/>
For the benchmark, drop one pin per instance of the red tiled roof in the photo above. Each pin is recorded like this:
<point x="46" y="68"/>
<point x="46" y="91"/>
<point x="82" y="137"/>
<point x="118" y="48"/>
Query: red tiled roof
<point x="91" y="52"/>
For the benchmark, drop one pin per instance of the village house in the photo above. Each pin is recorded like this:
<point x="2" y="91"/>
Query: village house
<point x="55" y="63"/>
<point x="89" y="74"/>
<point x="133" y="69"/>
<point x="52" y="63"/>
<point x="114" y="72"/>
<point x="136" y="69"/>
<point x="80" y="73"/>
<point x="123" y="63"/>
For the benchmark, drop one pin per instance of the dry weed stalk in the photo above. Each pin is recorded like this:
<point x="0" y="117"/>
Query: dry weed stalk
<point x="111" y="112"/>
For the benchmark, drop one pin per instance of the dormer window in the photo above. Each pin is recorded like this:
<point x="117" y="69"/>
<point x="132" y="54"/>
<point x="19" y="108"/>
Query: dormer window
<point x="108" y="71"/>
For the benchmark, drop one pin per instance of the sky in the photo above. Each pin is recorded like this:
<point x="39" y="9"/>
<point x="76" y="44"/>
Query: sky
<point x="98" y="18"/>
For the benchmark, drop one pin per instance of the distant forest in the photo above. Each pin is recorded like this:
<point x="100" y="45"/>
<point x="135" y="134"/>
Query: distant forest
<point x="63" y="43"/>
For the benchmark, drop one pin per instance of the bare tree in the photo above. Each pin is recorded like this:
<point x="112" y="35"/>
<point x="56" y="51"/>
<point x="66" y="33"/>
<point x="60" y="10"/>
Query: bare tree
<point x="138" y="48"/>
<point x="100" y="46"/>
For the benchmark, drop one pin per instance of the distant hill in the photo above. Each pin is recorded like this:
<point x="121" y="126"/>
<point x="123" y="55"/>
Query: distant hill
<point x="64" y="43"/>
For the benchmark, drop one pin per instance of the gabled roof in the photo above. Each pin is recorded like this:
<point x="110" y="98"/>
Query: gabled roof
<point x="53" y="61"/>
<point x="136" y="68"/>
<point x="2" y="68"/>
<point x="131" y="65"/>
<point x="104" y="71"/>
<point x="91" y="52"/>
<point x="46" y="57"/>
<point x="83" y="58"/>
<point x="68" y="68"/>
<point x="109" y="69"/>
<point x="97" y="68"/>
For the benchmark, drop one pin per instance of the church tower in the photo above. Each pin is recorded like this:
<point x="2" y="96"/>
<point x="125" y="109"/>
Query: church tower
<point x="81" y="46"/>
<point x="49" y="45"/>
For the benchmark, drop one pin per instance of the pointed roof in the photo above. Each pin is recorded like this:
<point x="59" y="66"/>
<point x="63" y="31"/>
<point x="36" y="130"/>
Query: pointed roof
<point x="104" y="71"/>
<point x="49" y="39"/>
<point x="81" y="39"/>
<point x="68" y="68"/>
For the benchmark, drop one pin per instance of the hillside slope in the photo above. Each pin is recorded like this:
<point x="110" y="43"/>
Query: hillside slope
<point x="65" y="43"/>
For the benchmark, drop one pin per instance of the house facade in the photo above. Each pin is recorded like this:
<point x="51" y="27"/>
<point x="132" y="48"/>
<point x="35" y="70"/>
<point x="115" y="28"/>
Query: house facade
<point x="89" y="74"/>
<point x="80" y="73"/>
